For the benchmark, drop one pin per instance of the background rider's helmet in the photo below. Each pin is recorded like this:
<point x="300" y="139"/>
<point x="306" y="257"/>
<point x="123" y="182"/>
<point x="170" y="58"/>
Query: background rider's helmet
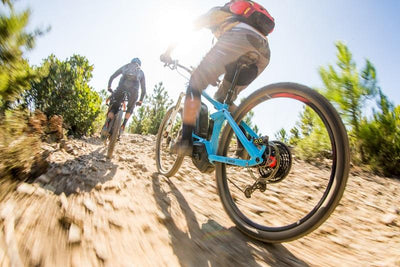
<point x="136" y="60"/>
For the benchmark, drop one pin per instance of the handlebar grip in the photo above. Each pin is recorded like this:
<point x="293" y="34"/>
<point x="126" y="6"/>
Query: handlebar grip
<point x="166" y="58"/>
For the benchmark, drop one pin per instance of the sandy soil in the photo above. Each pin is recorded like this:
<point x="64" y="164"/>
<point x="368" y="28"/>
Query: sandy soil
<point x="87" y="211"/>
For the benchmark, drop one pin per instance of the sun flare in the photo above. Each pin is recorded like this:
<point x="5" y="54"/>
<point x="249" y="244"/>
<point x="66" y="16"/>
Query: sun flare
<point x="176" y="26"/>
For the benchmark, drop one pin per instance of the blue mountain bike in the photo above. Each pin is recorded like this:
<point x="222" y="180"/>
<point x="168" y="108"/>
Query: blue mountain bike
<point x="274" y="188"/>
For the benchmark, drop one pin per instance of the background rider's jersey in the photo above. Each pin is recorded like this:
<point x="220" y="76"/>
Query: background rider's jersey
<point x="130" y="80"/>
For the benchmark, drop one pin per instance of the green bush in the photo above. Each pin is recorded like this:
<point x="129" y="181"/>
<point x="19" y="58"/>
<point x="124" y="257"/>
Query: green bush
<point x="380" y="138"/>
<point x="65" y="91"/>
<point x="312" y="140"/>
<point x="101" y="118"/>
<point x="148" y="117"/>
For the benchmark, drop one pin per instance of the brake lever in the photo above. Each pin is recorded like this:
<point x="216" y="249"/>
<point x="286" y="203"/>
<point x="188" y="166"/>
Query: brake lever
<point x="172" y="65"/>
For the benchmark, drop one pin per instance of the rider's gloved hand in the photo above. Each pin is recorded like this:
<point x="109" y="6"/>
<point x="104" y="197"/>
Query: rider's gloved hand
<point x="166" y="58"/>
<point x="110" y="90"/>
<point x="139" y="103"/>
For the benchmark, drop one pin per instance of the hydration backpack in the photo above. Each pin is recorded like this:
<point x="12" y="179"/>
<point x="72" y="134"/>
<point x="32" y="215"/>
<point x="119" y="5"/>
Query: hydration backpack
<point x="252" y="14"/>
<point x="131" y="71"/>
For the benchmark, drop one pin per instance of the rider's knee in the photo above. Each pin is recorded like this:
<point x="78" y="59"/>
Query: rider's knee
<point x="130" y="108"/>
<point x="193" y="92"/>
<point x="110" y="114"/>
<point x="198" y="81"/>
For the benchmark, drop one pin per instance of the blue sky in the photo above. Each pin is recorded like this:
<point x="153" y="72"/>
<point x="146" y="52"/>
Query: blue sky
<point x="110" y="33"/>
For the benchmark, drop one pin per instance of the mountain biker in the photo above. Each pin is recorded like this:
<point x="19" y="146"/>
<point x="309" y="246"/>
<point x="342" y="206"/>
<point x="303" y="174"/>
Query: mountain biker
<point x="237" y="36"/>
<point x="132" y="78"/>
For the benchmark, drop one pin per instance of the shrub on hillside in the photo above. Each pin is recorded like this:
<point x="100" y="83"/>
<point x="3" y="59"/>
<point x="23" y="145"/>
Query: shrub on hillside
<point x="19" y="146"/>
<point x="65" y="91"/>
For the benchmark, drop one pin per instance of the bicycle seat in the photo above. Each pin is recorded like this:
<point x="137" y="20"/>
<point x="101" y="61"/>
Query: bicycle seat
<point x="126" y="95"/>
<point x="248" y="59"/>
<point x="248" y="66"/>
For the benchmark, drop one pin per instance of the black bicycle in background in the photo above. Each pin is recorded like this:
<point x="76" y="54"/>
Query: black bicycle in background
<point x="113" y="131"/>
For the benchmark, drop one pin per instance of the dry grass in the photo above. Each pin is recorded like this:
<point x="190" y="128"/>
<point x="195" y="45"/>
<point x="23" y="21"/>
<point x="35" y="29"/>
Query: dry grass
<point x="20" y="145"/>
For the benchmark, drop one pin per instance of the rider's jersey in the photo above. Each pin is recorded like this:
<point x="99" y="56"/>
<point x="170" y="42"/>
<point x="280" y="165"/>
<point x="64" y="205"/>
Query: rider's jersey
<point x="132" y="78"/>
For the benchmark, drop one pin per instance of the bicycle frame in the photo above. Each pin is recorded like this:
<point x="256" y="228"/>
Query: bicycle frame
<point x="122" y="109"/>
<point x="123" y="103"/>
<point x="219" y="118"/>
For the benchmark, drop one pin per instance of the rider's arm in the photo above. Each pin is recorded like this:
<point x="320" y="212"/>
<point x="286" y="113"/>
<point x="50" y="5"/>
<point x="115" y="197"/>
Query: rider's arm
<point x="143" y="87"/>
<point x="115" y="75"/>
<point x="211" y="19"/>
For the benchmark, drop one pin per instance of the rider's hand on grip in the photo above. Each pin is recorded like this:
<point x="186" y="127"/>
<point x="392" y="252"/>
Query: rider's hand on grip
<point x="139" y="103"/>
<point x="166" y="58"/>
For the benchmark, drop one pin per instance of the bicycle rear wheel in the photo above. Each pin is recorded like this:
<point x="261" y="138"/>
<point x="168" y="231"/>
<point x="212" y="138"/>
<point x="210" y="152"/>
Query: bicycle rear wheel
<point x="116" y="127"/>
<point x="298" y="185"/>
<point x="167" y="163"/>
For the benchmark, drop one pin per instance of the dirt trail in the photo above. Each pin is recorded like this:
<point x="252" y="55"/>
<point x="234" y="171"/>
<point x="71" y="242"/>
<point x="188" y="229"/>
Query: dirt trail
<point x="86" y="211"/>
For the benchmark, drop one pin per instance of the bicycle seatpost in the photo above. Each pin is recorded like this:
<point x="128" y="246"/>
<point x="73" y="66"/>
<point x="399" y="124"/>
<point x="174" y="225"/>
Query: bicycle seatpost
<point x="228" y="99"/>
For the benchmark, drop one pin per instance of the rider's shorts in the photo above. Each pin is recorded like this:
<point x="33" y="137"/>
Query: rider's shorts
<point x="118" y="98"/>
<point x="222" y="58"/>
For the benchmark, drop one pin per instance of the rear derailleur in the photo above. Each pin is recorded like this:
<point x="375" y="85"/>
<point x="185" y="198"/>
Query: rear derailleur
<point x="249" y="190"/>
<point x="275" y="167"/>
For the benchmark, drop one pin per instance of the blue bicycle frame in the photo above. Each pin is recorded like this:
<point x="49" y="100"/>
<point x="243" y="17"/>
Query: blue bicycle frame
<point x="219" y="117"/>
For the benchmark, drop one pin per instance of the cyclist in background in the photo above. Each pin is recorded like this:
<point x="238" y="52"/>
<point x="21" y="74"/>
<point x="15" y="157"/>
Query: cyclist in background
<point x="132" y="78"/>
<point x="241" y="28"/>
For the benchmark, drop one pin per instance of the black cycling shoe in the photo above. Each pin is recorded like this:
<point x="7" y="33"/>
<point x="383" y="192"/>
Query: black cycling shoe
<point x="182" y="148"/>
<point x="104" y="132"/>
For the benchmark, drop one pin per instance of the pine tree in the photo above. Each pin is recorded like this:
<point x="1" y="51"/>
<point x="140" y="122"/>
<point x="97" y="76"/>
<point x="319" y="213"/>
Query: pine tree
<point x="380" y="137"/>
<point x="348" y="90"/>
<point x="15" y="72"/>
<point x="149" y="116"/>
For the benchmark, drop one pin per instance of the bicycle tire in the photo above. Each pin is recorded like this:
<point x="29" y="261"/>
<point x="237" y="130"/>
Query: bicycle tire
<point x="338" y="177"/>
<point x="116" y="127"/>
<point x="178" y="162"/>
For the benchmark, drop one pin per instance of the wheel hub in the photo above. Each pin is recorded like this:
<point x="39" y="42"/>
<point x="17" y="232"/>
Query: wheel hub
<point x="277" y="162"/>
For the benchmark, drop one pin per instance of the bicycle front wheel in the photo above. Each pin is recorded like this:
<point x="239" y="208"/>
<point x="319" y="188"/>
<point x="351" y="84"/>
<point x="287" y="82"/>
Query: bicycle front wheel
<point x="303" y="171"/>
<point x="168" y="163"/>
<point x="116" y="128"/>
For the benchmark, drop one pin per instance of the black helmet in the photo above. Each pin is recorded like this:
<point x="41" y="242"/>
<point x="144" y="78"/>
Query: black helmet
<point x="136" y="60"/>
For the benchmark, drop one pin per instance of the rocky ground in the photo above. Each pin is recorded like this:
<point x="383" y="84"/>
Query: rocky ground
<point x="87" y="211"/>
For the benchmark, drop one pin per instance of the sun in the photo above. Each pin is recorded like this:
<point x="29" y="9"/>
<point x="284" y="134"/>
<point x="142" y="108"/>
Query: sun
<point x="175" y="25"/>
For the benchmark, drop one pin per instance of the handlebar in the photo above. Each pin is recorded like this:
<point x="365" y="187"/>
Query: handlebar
<point x="174" y="64"/>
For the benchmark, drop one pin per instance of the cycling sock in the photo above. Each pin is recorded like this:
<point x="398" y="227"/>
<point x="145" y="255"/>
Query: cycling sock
<point x="187" y="130"/>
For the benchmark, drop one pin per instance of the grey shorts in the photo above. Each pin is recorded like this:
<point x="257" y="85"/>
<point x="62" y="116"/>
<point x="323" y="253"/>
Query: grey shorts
<point x="222" y="58"/>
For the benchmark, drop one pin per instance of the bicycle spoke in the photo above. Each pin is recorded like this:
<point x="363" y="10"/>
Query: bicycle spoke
<point x="293" y="183"/>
